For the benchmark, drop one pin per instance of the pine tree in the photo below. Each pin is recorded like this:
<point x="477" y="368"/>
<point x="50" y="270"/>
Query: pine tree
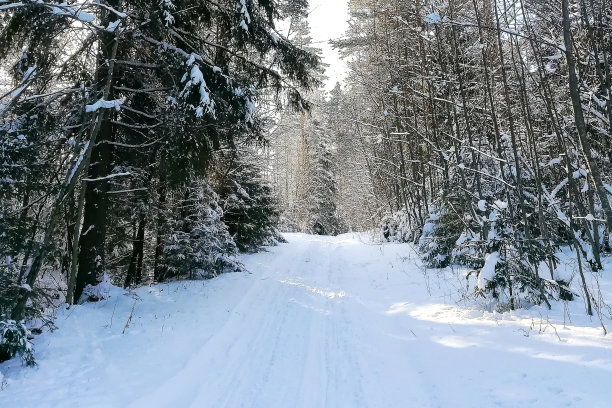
<point x="439" y="237"/>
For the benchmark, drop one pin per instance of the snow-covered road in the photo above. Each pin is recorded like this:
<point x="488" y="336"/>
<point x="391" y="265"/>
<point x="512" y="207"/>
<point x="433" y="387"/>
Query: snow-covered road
<point x="319" y="322"/>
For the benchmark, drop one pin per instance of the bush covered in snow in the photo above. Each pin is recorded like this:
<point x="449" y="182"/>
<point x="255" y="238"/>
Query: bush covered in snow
<point x="195" y="241"/>
<point x="510" y="267"/>
<point x="94" y="293"/>
<point x="512" y="260"/>
<point x="15" y="339"/>
<point x="440" y="233"/>
<point x="396" y="227"/>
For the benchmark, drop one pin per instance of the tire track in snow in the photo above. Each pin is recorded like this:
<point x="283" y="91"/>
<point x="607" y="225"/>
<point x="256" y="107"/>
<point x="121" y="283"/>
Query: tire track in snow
<point x="265" y="345"/>
<point x="348" y="378"/>
<point x="295" y="339"/>
<point x="182" y="388"/>
<point x="294" y="359"/>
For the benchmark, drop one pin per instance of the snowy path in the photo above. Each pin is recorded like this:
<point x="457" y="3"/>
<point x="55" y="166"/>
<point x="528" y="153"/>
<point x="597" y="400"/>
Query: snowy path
<point x="320" y="322"/>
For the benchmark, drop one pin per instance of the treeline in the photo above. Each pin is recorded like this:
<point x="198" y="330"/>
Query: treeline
<point x="129" y="142"/>
<point x="315" y="168"/>
<point x="485" y="128"/>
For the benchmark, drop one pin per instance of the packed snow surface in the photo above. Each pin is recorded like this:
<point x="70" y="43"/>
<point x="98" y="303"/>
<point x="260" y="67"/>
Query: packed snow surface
<point x="318" y="322"/>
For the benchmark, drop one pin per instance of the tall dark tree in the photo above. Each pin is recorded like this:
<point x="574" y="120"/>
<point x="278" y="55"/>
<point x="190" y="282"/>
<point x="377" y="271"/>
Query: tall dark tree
<point x="135" y="97"/>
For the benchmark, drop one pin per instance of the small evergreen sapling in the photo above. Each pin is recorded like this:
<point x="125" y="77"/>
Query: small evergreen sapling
<point x="249" y="208"/>
<point x="196" y="243"/>
<point x="440" y="233"/>
<point x="396" y="227"/>
<point x="511" y="271"/>
<point x="15" y="339"/>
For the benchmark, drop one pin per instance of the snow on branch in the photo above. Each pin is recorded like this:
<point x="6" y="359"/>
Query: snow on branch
<point x="487" y="272"/>
<point x="207" y="105"/>
<point x="63" y="9"/>
<point x="246" y="17"/>
<point x="433" y="18"/>
<point x="167" y="46"/>
<point x="10" y="6"/>
<point x="109" y="8"/>
<point x="103" y="104"/>
<point x="110" y="176"/>
<point x="167" y="6"/>
<point x="78" y="163"/>
<point x="112" y="26"/>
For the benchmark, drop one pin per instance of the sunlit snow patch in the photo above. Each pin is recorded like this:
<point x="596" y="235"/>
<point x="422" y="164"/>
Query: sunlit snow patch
<point x="329" y="294"/>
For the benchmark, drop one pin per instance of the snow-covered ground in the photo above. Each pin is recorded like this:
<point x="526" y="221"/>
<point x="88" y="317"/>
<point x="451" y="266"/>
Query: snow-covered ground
<point x="319" y="322"/>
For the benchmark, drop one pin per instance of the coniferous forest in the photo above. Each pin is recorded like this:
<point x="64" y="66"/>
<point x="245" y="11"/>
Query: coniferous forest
<point x="144" y="142"/>
<point x="129" y="142"/>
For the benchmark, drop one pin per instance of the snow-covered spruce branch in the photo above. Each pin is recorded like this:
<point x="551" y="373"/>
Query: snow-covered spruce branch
<point x="167" y="46"/>
<point x="104" y="104"/>
<point x="275" y="74"/>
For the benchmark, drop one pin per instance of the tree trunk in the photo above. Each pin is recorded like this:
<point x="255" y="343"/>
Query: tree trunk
<point x="93" y="236"/>
<point x="134" y="273"/>
<point x="75" y="246"/>
<point x="579" y="116"/>
<point x="18" y="312"/>
<point x="157" y="273"/>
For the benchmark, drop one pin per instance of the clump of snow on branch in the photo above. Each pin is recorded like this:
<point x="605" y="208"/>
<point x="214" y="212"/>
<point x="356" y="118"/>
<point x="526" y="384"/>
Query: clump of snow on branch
<point x="167" y="6"/>
<point x="104" y="104"/>
<point x="97" y="292"/>
<point x="432" y="18"/>
<point x="487" y="272"/>
<point x="196" y="78"/>
<point x="246" y="17"/>
<point x="63" y="9"/>
<point x="112" y="26"/>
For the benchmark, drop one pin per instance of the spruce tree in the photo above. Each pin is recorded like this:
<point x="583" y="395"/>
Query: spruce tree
<point x="322" y="217"/>
<point x="195" y="242"/>
<point x="249" y="207"/>
<point x="136" y="105"/>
